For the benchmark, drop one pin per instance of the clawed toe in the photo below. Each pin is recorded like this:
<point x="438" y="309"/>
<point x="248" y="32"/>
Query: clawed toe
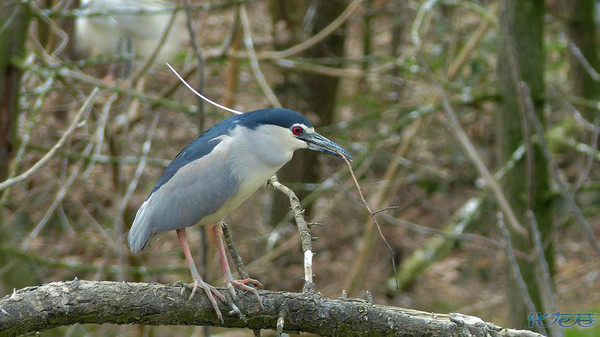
<point x="211" y="292"/>
<point x="253" y="282"/>
<point x="236" y="311"/>
<point x="241" y="284"/>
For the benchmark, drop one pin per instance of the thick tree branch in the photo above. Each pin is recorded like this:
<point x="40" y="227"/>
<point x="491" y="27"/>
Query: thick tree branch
<point x="65" y="303"/>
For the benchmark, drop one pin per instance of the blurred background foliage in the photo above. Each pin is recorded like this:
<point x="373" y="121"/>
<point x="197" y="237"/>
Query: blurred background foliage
<point x="448" y="106"/>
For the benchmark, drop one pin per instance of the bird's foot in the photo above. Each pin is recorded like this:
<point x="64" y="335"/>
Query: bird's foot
<point x="211" y="292"/>
<point x="242" y="285"/>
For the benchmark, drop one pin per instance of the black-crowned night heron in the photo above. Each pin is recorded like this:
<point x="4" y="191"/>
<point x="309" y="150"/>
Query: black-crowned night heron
<point x="215" y="173"/>
<point x="129" y="31"/>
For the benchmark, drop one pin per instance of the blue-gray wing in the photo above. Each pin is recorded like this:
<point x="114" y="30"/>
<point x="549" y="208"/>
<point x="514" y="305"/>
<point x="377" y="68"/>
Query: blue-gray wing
<point x="195" y="191"/>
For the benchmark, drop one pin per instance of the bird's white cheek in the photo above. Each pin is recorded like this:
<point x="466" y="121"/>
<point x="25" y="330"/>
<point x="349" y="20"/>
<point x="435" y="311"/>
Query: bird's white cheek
<point x="291" y="146"/>
<point x="298" y="144"/>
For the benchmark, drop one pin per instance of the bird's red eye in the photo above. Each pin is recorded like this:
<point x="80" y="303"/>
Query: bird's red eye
<point x="296" y="130"/>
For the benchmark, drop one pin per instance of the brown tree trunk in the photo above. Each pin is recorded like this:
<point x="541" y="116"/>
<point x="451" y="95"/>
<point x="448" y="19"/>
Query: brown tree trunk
<point x="12" y="46"/>
<point x="521" y="58"/>
<point x="581" y="30"/>
<point x="12" y="43"/>
<point x="312" y="94"/>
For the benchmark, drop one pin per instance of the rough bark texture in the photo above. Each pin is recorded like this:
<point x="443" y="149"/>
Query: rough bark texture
<point x="91" y="302"/>
<point x="527" y="185"/>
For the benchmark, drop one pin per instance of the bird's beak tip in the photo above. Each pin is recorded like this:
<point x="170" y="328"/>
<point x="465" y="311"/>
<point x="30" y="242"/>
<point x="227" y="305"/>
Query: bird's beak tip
<point x="345" y="155"/>
<point x="322" y="144"/>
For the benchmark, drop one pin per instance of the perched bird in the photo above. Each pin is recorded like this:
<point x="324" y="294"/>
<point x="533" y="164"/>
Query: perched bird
<point x="215" y="173"/>
<point x="128" y="32"/>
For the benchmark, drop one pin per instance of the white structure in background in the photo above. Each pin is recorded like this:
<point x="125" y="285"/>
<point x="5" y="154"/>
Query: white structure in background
<point x="129" y="32"/>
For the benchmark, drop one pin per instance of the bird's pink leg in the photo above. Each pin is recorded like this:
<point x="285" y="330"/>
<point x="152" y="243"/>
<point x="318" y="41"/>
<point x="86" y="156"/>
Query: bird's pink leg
<point x="198" y="282"/>
<point x="229" y="281"/>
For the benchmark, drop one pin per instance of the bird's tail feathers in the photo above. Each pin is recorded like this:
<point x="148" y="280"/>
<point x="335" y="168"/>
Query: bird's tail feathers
<point x="140" y="230"/>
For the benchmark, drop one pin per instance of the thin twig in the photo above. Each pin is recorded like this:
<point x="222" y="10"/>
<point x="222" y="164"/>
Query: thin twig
<point x="583" y="61"/>
<point x="233" y="41"/>
<point x="102" y="158"/>
<point x="469" y="237"/>
<point x="26" y="125"/>
<point x="78" y="76"/>
<point x="590" y="158"/>
<point x="471" y="43"/>
<point x="201" y="61"/>
<point x="100" y="132"/>
<point x="557" y="176"/>
<point x="119" y="217"/>
<point x="324" y="70"/>
<point x="578" y="116"/>
<point x="237" y="259"/>
<point x="80" y="267"/>
<point x="369" y="235"/>
<point x="543" y="277"/>
<point x="157" y="48"/>
<point x="373" y="216"/>
<point x="302" y="46"/>
<point x="260" y="77"/>
<point x="85" y="109"/>
<point x="53" y="27"/>
<point x="320" y="36"/>
<point x="425" y="9"/>
<point x="305" y="236"/>
<point x="231" y="35"/>
<point x="468" y="207"/>
<point x="107" y="238"/>
<point x="62" y="193"/>
<point x="385" y="209"/>
<point x="482" y="169"/>
<point x="510" y="255"/>
<point x="202" y="7"/>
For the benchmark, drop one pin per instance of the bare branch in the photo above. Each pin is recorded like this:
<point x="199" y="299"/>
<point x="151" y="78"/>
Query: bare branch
<point x="237" y="259"/>
<point x="320" y="36"/>
<point x="157" y="48"/>
<point x="200" y="69"/>
<point x="85" y="109"/>
<point x="66" y="303"/>
<point x="482" y="169"/>
<point x="583" y="61"/>
<point x="305" y="236"/>
<point x="60" y="195"/>
<point x="556" y="174"/>
<point x="373" y="215"/>
<point x="260" y="77"/>
<point x="27" y="125"/>
<point x="543" y="276"/>
<point x="123" y="200"/>
<point x="510" y="255"/>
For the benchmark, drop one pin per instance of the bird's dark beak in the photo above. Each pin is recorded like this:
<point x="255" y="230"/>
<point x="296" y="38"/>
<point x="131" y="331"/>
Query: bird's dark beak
<point x="319" y="143"/>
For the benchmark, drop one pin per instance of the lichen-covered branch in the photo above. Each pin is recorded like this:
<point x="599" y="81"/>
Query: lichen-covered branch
<point x="100" y="302"/>
<point x="305" y="236"/>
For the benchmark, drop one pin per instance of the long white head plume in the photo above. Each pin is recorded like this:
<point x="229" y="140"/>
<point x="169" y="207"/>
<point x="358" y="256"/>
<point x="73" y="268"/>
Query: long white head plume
<point x="202" y="96"/>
